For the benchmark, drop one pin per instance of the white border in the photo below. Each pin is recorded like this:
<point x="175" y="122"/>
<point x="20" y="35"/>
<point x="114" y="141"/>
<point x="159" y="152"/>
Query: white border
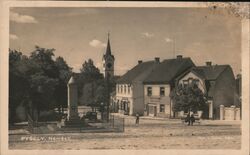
<point x="4" y="79"/>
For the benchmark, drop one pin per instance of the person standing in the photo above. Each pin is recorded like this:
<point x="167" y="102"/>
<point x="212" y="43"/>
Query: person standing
<point x="137" y="119"/>
<point x="192" y="119"/>
<point x="187" y="119"/>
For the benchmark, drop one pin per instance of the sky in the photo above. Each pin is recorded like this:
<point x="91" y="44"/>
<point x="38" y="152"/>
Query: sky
<point x="78" y="34"/>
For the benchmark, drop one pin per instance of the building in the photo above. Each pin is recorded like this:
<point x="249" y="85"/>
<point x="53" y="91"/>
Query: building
<point x="159" y="84"/>
<point x="129" y="88"/>
<point x="108" y="61"/>
<point x="216" y="81"/>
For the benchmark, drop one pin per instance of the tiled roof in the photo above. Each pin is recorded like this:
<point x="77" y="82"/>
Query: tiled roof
<point x="168" y="70"/>
<point x="135" y="72"/>
<point x="210" y="72"/>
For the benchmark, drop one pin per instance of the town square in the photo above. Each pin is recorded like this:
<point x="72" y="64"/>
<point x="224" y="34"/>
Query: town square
<point x="125" y="78"/>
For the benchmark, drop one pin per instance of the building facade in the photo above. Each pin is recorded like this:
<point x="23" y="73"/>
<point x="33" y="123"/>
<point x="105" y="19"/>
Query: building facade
<point x="217" y="82"/>
<point x="159" y="84"/>
<point x="129" y="88"/>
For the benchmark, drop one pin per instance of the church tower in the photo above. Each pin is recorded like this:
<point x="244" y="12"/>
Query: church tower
<point x="108" y="62"/>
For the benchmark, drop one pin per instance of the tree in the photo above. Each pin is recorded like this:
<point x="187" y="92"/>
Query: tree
<point x="188" y="98"/>
<point x="18" y="82"/>
<point x="44" y="80"/>
<point x="89" y="81"/>
<point x="37" y="82"/>
<point x="65" y="73"/>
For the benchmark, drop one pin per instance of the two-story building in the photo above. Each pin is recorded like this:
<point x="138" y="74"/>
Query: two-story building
<point x="217" y="82"/>
<point x="129" y="88"/>
<point x="159" y="84"/>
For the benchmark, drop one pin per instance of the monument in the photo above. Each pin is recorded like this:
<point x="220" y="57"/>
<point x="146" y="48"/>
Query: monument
<point x="73" y="119"/>
<point x="72" y="100"/>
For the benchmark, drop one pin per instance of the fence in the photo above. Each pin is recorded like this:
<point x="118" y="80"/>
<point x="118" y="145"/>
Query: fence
<point x="32" y="125"/>
<point x="230" y="113"/>
<point x="116" y="123"/>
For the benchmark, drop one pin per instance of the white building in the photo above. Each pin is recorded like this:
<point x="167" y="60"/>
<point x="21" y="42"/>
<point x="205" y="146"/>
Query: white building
<point x="159" y="84"/>
<point x="129" y="88"/>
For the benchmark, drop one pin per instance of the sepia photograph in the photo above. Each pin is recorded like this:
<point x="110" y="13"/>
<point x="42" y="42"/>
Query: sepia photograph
<point x="113" y="77"/>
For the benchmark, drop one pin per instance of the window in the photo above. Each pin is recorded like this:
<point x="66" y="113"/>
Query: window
<point x="185" y="83"/>
<point x="121" y="89"/>
<point x="129" y="89"/>
<point x="117" y="88"/>
<point x="149" y="91"/>
<point x="125" y="89"/>
<point x="162" y="91"/>
<point x="162" y="108"/>
<point x="196" y="82"/>
<point x="190" y="80"/>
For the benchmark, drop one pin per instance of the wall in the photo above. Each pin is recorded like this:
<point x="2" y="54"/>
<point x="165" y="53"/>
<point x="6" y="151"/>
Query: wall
<point x="138" y="97"/>
<point x="121" y="94"/>
<point x="128" y="93"/>
<point x="156" y="99"/>
<point x="230" y="113"/>
<point x="224" y="89"/>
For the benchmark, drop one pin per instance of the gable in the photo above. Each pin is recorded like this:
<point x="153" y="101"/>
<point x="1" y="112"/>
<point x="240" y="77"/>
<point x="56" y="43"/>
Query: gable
<point x="189" y="76"/>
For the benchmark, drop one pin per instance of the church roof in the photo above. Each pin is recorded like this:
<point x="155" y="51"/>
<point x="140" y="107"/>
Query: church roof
<point x="108" y="51"/>
<point x="168" y="70"/>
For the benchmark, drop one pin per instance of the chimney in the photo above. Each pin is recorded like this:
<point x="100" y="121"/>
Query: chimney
<point x="209" y="63"/>
<point x="157" y="59"/>
<point x="139" y="61"/>
<point x="179" y="56"/>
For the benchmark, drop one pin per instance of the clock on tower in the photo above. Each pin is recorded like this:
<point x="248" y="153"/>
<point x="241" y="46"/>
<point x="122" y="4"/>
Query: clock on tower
<point x="108" y="61"/>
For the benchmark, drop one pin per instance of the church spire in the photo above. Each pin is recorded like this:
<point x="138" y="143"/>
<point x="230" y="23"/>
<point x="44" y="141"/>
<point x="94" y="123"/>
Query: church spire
<point x="108" y="61"/>
<point x="108" y="49"/>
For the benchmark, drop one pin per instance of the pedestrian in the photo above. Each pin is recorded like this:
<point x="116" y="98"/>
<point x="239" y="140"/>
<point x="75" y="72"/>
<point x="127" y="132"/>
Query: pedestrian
<point x="137" y="119"/>
<point x="187" y="119"/>
<point x="192" y="119"/>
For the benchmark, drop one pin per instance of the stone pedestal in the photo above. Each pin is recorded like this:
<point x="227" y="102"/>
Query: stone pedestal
<point x="72" y="100"/>
<point x="73" y="119"/>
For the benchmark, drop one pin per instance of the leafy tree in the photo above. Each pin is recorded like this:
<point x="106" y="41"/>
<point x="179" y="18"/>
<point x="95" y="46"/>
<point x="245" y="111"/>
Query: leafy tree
<point x="18" y="83"/>
<point x="65" y="73"/>
<point x="43" y="80"/>
<point x="188" y="98"/>
<point x="89" y="80"/>
<point x="37" y="82"/>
